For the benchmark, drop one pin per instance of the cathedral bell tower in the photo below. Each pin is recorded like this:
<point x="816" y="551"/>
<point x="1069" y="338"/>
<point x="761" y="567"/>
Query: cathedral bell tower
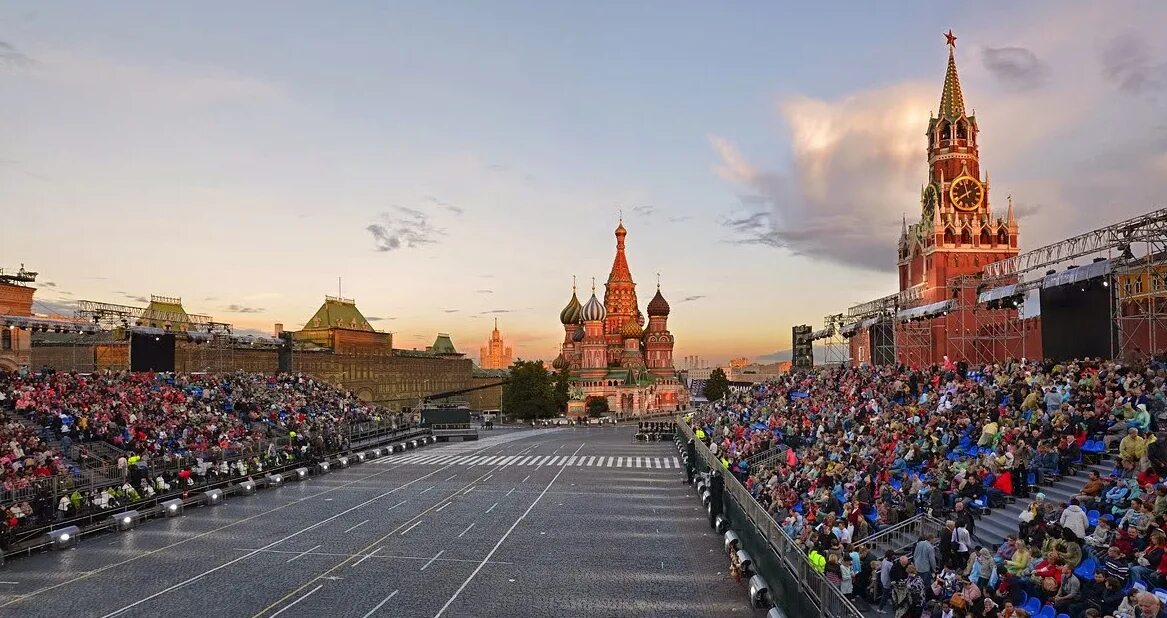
<point x="957" y="232"/>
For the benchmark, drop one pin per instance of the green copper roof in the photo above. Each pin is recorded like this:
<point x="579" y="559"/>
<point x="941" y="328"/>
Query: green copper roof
<point x="338" y="313"/>
<point x="443" y="345"/>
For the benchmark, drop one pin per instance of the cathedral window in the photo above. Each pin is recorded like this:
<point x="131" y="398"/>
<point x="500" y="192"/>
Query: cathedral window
<point x="1002" y="238"/>
<point x="949" y="237"/>
<point x="986" y="238"/>
<point x="966" y="237"/>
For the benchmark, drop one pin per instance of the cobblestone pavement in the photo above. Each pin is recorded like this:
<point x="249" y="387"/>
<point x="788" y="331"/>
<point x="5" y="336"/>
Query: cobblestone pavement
<point x="397" y="538"/>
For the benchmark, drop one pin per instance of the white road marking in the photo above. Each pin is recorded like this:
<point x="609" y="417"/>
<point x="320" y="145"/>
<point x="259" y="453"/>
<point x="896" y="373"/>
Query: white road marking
<point x="571" y="462"/>
<point x="304" y="553"/>
<point x="525" y="461"/>
<point x="611" y="460"/>
<point x="468" y="490"/>
<point x="501" y="541"/>
<point x="415" y="524"/>
<point x="511" y="491"/>
<point x="426" y="566"/>
<point x="591" y="461"/>
<point x="366" y="557"/>
<point x="440" y="508"/>
<point x="268" y="546"/>
<point x="468" y="529"/>
<point x="378" y="606"/>
<point x="525" y="478"/>
<point x="289" y="605"/>
<point x="429" y="488"/>
<point x="356" y="526"/>
<point x="676" y="464"/>
<point x="491" y="507"/>
<point x="451" y="477"/>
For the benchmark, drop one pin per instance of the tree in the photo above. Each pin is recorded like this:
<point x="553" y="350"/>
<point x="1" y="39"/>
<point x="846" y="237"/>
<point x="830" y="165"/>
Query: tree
<point x="717" y="386"/>
<point x="529" y="394"/>
<point x="562" y="388"/>
<point x="597" y="406"/>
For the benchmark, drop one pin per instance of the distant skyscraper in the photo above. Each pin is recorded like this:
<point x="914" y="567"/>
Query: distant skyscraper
<point x="495" y="355"/>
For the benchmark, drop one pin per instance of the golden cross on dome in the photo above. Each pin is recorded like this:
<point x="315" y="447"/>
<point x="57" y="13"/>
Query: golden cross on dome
<point x="593" y="285"/>
<point x="951" y="38"/>
<point x="573" y="284"/>
<point x="658" y="281"/>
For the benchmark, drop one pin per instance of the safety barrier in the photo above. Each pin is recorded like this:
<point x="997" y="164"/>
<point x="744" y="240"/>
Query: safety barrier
<point x="821" y="594"/>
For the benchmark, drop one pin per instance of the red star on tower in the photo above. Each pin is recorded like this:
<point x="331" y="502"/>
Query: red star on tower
<point x="951" y="38"/>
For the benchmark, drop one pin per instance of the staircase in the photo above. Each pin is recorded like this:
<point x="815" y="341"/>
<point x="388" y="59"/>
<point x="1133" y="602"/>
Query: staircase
<point x="991" y="530"/>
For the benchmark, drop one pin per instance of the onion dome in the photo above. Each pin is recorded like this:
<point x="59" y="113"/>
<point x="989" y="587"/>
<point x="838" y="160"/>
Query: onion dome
<point x="560" y="363"/>
<point x="593" y="310"/>
<point x="579" y="333"/>
<point x="630" y="330"/>
<point x="658" y="306"/>
<point x="640" y="319"/>
<point x="570" y="313"/>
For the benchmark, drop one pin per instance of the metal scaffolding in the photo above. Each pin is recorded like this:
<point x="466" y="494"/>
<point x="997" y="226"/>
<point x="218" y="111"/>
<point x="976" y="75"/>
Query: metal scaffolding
<point x="835" y="348"/>
<point x="862" y="319"/>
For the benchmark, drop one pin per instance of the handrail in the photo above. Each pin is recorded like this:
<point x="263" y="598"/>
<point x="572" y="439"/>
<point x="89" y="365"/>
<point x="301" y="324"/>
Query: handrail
<point x="889" y="530"/>
<point x="824" y="595"/>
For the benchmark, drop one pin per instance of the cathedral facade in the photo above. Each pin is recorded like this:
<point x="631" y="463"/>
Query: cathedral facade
<point x="610" y="351"/>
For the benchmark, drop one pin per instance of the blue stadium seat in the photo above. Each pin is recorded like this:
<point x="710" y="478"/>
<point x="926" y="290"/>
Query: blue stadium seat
<point x="1142" y="586"/>
<point x="1085" y="571"/>
<point x="1092" y="517"/>
<point x="1032" y="606"/>
<point x="1047" y="611"/>
<point x="1161" y="593"/>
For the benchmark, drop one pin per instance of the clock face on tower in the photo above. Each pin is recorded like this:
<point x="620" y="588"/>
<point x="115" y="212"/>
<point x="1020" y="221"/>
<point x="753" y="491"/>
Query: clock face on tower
<point x="931" y="197"/>
<point x="966" y="193"/>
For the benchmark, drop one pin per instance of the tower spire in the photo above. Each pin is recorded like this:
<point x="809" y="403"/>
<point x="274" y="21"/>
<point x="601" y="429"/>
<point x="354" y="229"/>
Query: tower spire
<point x="1010" y="216"/>
<point x="951" y="99"/>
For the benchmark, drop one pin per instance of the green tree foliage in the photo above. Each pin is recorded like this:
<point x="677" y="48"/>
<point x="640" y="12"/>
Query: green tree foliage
<point x="529" y="394"/>
<point x="717" y="386"/>
<point x="562" y="386"/>
<point x="597" y="406"/>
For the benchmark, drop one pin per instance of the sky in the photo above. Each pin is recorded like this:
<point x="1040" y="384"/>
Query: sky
<point x="450" y="163"/>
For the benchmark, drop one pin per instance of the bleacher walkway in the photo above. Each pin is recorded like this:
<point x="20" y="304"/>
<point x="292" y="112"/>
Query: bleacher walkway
<point x="431" y="459"/>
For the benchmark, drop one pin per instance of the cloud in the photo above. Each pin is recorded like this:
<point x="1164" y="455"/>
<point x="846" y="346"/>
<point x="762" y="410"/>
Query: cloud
<point x="497" y="167"/>
<point x="403" y="228"/>
<point x="1016" y="67"/>
<point x="496" y="311"/>
<point x="689" y="299"/>
<point x="137" y="299"/>
<point x="780" y="355"/>
<point x="49" y="284"/>
<point x="450" y="310"/>
<point x="448" y="206"/>
<point x="376" y="318"/>
<point x="857" y="165"/>
<point x="242" y="309"/>
<point x="1024" y="211"/>
<point x="12" y="57"/>
<point x="679" y="218"/>
<point x="645" y="210"/>
<point x="484" y="291"/>
<point x="1126" y="63"/>
<point x="210" y="298"/>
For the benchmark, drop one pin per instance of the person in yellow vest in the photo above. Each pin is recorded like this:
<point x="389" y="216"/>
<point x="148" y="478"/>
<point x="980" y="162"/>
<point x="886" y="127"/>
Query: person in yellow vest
<point x="817" y="561"/>
<point x="700" y="433"/>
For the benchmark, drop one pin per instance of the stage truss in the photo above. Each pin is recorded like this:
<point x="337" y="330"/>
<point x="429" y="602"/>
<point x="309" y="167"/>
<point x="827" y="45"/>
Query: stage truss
<point x="871" y="313"/>
<point x="835" y="348"/>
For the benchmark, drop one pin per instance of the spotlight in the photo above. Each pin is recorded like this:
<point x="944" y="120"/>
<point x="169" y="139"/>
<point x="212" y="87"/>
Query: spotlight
<point x="759" y="592"/>
<point x="246" y="488"/>
<point x="213" y="497"/>
<point x="274" y="480"/>
<point x="341" y="462"/>
<point x="126" y="520"/>
<point x="65" y="537"/>
<point x="746" y="561"/>
<point x="361" y="458"/>
<point x="731" y="541"/>
<point x="157" y="339"/>
<point x="172" y="508"/>
<point x="721" y="524"/>
<point x="301" y="473"/>
<point x="323" y="467"/>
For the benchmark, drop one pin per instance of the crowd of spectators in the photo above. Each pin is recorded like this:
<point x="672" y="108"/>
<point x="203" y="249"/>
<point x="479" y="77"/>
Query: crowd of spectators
<point x="170" y="432"/>
<point x="856" y="449"/>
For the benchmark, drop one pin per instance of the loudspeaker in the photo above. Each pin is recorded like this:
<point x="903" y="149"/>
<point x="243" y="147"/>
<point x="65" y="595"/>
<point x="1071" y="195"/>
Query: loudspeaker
<point x="803" y="353"/>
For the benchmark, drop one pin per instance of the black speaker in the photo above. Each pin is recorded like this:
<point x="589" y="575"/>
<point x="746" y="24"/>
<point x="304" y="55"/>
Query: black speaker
<point x="285" y="352"/>
<point x="803" y="353"/>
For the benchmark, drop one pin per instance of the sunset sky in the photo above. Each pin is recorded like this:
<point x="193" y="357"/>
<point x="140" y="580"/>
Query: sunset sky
<point x="455" y="162"/>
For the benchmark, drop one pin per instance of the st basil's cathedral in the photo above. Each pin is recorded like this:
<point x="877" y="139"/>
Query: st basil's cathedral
<point x="609" y="352"/>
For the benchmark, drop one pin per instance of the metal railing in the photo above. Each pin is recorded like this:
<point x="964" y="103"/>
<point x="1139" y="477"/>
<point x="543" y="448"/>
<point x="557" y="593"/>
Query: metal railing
<point x="765" y="458"/>
<point x="830" y="602"/>
<point x="903" y="534"/>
